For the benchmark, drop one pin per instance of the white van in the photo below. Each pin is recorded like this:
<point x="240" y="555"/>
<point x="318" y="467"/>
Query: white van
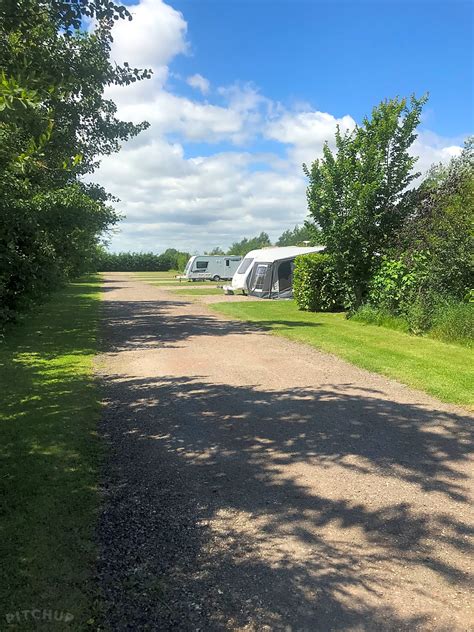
<point x="203" y="267"/>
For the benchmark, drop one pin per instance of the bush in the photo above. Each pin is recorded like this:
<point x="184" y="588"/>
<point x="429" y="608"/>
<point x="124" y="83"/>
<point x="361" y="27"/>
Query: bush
<point x="398" y="282"/>
<point x="315" y="284"/>
<point x="454" y="322"/>
<point x="405" y="288"/>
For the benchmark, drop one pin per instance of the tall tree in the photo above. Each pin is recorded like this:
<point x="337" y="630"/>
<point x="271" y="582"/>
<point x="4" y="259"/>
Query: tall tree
<point x="357" y="194"/>
<point x="215" y="252"/>
<point x="55" y="123"/>
<point x="440" y="225"/>
<point x="246" y="245"/>
<point x="300" y="235"/>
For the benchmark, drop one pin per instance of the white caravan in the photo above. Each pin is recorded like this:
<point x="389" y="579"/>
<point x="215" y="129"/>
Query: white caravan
<point x="203" y="267"/>
<point x="268" y="272"/>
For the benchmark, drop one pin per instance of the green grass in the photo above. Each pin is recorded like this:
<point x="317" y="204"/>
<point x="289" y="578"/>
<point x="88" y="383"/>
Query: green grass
<point x="168" y="278"/>
<point x="169" y="274"/>
<point x="199" y="291"/>
<point x="373" y="316"/>
<point x="443" y="370"/>
<point x="49" y="448"/>
<point x="184" y="285"/>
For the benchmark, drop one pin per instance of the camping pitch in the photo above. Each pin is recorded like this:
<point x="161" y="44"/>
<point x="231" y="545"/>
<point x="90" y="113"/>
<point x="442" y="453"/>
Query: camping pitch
<point x="268" y="273"/>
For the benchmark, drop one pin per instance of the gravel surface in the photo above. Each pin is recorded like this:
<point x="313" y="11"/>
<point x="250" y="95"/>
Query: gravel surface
<point x="255" y="484"/>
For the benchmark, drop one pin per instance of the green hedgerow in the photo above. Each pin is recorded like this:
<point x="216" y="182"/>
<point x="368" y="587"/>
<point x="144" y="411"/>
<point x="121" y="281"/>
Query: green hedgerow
<point x="315" y="283"/>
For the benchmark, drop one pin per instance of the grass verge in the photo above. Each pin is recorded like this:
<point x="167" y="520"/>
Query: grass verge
<point x="441" y="369"/>
<point x="48" y="413"/>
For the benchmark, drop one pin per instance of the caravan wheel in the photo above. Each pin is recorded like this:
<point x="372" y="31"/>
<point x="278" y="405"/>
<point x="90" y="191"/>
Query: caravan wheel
<point x="216" y="278"/>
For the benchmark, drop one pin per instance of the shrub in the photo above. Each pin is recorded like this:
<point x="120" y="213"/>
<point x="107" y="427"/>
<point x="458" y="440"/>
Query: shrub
<point x="315" y="283"/>
<point x="454" y="322"/>
<point x="397" y="282"/>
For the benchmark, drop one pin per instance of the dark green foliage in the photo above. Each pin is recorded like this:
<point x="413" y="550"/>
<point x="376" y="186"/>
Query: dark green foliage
<point x="177" y="259"/>
<point x="246" y="245"/>
<point x="140" y="261"/>
<point x="54" y="125"/>
<point x="308" y="234"/>
<point x="215" y="252"/>
<point x="399" y="282"/>
<point x="440" y="226"/>
<point x="430" y="269"/>
<point x="45" y="241"/>
<point x="315" y="283"/>
<point x="406" y="253"/>
<point x="357" y="195"/>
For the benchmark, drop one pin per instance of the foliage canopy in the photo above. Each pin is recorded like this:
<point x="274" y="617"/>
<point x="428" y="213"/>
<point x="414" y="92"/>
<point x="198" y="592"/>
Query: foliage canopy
<point x="357" y="194"/>
<point x="55" y="123"/>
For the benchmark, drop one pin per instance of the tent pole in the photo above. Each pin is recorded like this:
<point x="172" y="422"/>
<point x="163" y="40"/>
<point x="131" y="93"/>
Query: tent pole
<point x="271" y="280"/>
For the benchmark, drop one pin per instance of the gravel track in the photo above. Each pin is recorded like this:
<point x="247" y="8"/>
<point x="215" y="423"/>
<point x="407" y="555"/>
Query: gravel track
<point x="251" y="483"/>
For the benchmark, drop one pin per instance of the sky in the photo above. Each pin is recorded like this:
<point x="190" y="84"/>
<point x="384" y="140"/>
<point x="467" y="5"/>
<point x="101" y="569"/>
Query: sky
<point x="244" y="91"/>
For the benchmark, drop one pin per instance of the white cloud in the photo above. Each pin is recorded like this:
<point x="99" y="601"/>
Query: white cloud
<point x="172" y="199"/>
<point x="193" y="203"/>
<point x="306" y="132"/>
<point x="156" y="34"/>
<point x="431" y="149"/>
<point x="199" y="82"/>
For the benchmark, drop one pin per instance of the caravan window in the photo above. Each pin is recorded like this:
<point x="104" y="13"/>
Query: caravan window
<point x="244" y="266"/>
<point x="260" y="276"/>
<point x="201" y="265"/>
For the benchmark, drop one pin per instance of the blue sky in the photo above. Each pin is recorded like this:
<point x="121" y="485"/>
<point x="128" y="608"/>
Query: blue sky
<point x="340" y="56"/>
<point x="244" y="91"/>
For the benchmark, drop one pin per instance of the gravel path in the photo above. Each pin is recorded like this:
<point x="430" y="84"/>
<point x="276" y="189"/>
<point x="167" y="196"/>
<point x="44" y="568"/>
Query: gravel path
<point x="252" y="483"/>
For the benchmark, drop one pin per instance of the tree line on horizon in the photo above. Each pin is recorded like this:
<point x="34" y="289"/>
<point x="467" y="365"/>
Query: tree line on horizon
<point x="172" y="259"/>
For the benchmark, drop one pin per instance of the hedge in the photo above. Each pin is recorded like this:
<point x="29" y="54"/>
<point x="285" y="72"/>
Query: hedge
<point x="315" y="284"/>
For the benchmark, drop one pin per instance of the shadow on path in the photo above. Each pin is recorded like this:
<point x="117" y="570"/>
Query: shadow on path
<point x="204" y="495"/>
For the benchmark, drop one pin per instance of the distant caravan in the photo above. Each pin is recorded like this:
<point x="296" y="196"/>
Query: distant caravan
<point x="214" y="268"/>
<point x="268" y="273"/>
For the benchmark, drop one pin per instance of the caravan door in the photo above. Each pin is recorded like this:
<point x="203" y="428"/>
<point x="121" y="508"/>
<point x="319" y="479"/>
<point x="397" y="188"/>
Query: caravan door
<point x="285" y="277"/>
<point x="260" y="279"/>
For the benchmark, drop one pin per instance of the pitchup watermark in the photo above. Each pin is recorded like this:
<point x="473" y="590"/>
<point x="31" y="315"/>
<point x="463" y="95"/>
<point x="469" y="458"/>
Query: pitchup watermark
<point x="39" y="614"/>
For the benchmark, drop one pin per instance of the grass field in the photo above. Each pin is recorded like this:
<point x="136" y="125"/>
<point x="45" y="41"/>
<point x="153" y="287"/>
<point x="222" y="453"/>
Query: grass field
<point x="169" y="274"/>
<point x="48" y="413"/>
<point x="168" y="278"/>
<point x="443" y="370"/>
<point x="198" y="291"/>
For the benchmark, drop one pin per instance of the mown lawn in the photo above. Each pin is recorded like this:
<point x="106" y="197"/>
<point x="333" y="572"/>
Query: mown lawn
<point x="198" y="291"/>
<point x="169" y="274"/>
<point x="168" y="279"/>
<point x="443" y="370"/>
<point x="49" y="457"/>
